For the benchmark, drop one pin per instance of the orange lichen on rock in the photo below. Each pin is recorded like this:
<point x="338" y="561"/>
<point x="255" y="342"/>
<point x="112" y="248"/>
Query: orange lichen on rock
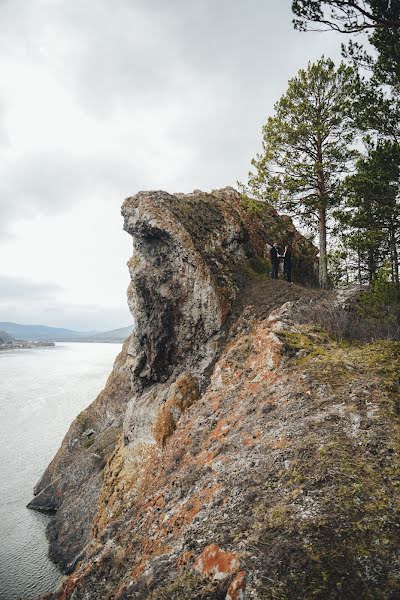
<point x="281" y="443"/>
<point x="237" y="587"/>
<point x="221" y="430"/>
<point x="185" y="559"/>
<point x="252" y="439"/>
<point x="216" y="564"/>
<point x="188" y="511"/>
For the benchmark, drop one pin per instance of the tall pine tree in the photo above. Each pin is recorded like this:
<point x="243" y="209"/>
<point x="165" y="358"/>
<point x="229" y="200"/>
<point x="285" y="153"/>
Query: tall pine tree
<point x="371" y="215"/>
<point x="378" y="106"/>
<point x="306" y="148"/>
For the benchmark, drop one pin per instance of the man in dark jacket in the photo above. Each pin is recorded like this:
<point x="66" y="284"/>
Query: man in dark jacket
<point x="287" y="263"/>
<point x="274" y="254"/>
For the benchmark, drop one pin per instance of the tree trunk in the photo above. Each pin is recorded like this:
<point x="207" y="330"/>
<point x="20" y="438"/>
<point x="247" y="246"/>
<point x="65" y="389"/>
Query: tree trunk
<point x="360" y="279"/>
<point x="323" y="257"/>
<point x="321" y="191"/>
<point x="371" y="264"/>
<point x="395" y="256"/>
<point x="347" y="271"/>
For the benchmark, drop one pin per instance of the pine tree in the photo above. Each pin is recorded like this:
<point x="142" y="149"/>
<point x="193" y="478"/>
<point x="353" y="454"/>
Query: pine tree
<point x="306" y="148"/>
<point x="371" y="215"/>
<point x="380" y="21"/>
<point x="371" y="219"/>
<point x="347" y="16"/>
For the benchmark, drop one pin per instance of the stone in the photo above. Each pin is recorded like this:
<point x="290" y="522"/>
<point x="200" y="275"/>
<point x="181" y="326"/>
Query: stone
<point x="88" y="433"/>
<point x="216" y="564"/>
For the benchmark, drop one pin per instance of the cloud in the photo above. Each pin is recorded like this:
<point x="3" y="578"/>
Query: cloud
<point x="4" y="138"/>
<point x="99" y="100"/>
<point x="18" y="289"/>
<point x="88" y="317"/>
<point x="29" y="302"/>
<point x="46" y="183"/>
<point x="204" y="75"/>
<point x="58" y="314"/>
<point x="156" y="52"/>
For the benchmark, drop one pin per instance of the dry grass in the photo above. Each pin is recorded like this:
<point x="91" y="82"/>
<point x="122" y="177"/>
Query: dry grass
<point x="346" y="322"/>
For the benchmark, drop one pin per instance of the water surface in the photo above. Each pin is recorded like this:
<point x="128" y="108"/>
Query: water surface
<point x="41" y="391"/>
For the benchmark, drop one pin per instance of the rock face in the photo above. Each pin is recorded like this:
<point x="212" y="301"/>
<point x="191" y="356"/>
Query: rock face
<point x="235" y="452"/>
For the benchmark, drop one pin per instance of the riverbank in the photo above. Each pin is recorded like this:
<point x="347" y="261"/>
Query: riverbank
<point x="22" y="344"/>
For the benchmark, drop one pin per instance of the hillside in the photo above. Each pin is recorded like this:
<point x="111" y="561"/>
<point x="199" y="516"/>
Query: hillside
<point x="57" y="334"/>
<point x="40" y="332"/>
<point x="240" y="449"/>
<point x="5" y="338"/>
<point x="115" y="335"/>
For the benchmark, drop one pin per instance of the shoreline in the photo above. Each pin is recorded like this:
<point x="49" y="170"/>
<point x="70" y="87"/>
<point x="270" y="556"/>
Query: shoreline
<point x="23" y="345"/>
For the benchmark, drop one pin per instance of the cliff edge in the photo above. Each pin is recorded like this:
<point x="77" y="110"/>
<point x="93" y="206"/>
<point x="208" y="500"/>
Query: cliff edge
<point x="239" y="450"/>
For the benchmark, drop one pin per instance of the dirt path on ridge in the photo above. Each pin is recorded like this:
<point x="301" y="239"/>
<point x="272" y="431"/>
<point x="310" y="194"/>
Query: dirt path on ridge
<point x="268" y="294"/>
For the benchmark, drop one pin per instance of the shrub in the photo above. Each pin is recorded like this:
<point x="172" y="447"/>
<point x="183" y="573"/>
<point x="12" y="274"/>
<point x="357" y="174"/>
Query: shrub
<point x="83" y="421"/>
<point x="365" y="317"/>
<point x="382" y="304"/>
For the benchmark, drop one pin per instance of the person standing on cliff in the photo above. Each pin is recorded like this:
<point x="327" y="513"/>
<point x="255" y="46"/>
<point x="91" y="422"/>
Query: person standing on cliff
<point x="274" y="254"/>
<point x="287" y="263"/>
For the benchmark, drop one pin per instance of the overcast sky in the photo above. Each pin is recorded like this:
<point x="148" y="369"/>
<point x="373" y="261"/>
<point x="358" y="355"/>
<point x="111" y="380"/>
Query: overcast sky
<point x="102" y="98"/>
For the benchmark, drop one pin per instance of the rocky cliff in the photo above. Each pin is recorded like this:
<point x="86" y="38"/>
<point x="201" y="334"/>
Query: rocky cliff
<point x="238" y="450"/>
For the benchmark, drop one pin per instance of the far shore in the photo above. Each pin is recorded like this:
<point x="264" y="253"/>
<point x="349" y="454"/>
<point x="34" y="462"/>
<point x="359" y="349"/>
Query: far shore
<point x="23" y="344"/>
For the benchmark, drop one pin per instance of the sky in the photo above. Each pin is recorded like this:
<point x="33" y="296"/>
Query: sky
<point x="102" y="98"/>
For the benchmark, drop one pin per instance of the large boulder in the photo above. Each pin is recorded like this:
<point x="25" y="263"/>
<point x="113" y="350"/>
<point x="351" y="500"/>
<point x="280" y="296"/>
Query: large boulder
<point x="237" y="451"/>
<point x="190" y="255"/>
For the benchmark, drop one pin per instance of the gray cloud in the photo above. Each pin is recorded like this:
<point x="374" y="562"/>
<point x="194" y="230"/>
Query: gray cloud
<point x="4" y="138"/>
<point x="45" y="183"/>
<point x="29" y="302"/>
<point x="218" y="65"/>
<point x="59" y="314"/>
<point x="100" y="99"/>
<point x="16" y="288"/>
<point x="88" y="317"/>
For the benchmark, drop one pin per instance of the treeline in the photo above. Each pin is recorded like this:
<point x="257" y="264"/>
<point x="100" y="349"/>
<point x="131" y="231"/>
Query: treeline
<point x="331" y="151"/>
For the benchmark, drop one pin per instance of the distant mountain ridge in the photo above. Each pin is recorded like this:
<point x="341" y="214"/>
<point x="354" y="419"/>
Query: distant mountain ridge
<point x="59" y="334"/>
<point x="110" y="336"/>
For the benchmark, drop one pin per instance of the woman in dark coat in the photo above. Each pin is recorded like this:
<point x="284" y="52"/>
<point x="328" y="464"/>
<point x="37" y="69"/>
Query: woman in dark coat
<point x="274" y="255"/>
<point x="287" y="263"/>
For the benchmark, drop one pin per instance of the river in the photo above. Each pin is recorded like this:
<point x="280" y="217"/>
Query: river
<point x="41" y="391"/>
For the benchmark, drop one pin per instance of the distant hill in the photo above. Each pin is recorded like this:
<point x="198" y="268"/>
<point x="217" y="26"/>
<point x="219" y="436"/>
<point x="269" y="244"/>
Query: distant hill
<point x="41" y="332"/>
<point x="5" y="338"/>
<point x="115" y="335"/>
<point x="59" y="334"/>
